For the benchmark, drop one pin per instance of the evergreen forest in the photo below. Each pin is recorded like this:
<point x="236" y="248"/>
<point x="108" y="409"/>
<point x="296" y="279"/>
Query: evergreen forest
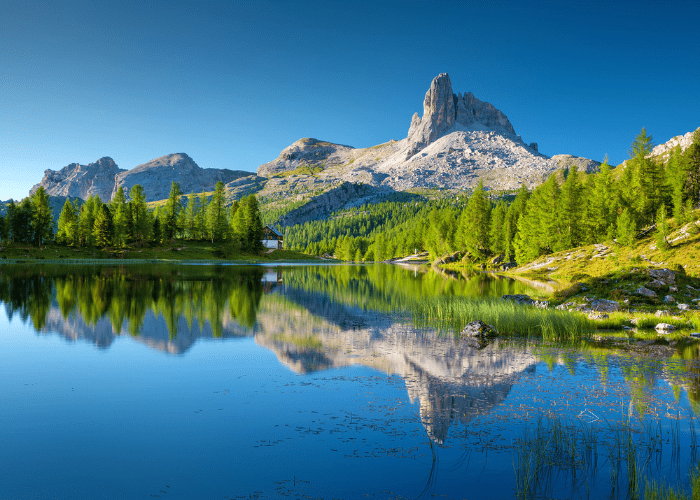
<point x="569" y="209"/>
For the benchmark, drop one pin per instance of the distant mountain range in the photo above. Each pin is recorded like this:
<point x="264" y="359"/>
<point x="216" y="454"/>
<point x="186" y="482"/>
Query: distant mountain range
<point x="458" y="141"/>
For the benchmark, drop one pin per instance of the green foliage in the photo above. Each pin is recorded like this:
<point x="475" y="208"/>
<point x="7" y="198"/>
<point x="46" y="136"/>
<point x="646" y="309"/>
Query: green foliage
<point x="626" y="228"/>
<point x="42" y="218"/>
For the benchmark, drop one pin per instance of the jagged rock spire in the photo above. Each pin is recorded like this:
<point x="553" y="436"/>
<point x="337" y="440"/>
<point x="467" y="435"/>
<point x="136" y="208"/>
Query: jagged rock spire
<point x="442" y="110"/>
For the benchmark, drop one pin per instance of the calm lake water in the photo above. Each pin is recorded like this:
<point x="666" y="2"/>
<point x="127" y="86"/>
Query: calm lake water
<point x="208" y="382"/>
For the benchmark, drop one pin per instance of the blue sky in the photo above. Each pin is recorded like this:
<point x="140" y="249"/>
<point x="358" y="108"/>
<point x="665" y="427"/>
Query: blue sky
<point x="233" y="83"/>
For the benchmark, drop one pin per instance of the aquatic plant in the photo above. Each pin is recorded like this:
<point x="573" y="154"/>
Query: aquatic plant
<point x="506" y="316"/>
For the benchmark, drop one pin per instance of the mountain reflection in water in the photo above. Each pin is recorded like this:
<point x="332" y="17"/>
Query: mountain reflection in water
<point x="313" y="318"/>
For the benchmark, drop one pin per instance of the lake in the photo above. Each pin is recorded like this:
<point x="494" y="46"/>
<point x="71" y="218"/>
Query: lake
<point x="314" y="381"/>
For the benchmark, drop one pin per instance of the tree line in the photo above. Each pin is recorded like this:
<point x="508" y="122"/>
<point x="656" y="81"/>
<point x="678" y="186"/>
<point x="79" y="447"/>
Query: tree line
<point x="122" y="222"/>
<point x="569" y="209"/>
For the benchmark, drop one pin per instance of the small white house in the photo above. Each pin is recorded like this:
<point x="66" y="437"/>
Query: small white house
<point x="272" y="238"/>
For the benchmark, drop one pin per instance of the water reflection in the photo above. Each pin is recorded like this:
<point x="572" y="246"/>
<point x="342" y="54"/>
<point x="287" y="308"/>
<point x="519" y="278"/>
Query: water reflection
<point x="314" y="318"/>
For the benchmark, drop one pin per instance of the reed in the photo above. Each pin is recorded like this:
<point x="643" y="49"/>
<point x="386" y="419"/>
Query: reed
<point x="506" y="316"/>
<point x="556" y="454"/>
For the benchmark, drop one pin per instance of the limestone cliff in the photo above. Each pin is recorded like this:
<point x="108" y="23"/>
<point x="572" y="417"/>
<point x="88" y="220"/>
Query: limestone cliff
<point x="81" y="181"/>
<point x="157" y="175"/>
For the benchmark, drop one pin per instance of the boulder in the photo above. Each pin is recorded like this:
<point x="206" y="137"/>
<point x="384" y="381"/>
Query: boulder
<point x="695" y="335"/>
<point x="645" y="292"/>
<point x="478" y="329"/>
<point x="603" y="305"/>
<point x="669" y="299"/>
<point x="665" y="275"/>
<point x="497" y="259"/>
<point x="665" y="328"/>
<point x="598" y="316"/>
<point x="656" y="284"/>
<point x="509" y="265"/>
<point x="660" y="313"/>
<point x="683" y="307"/>
<point x="523" y="299"/>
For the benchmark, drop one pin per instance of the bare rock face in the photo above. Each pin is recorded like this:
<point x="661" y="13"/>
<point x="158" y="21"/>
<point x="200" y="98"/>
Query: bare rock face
<point x="310" y="153"/>
<point x="81" y="181"/>
<point x="442" y="110"/>
<point x="581" y="164"/>
<point x="438" y="115"/>
<point x="157" y="176"/>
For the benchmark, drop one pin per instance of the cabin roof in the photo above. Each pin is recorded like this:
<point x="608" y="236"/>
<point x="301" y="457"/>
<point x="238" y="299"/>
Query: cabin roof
<point x="275" y="231"/>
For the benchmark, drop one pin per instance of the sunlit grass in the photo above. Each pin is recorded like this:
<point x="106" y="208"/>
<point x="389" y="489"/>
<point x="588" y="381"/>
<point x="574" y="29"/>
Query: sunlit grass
<point x="507" y="317"/>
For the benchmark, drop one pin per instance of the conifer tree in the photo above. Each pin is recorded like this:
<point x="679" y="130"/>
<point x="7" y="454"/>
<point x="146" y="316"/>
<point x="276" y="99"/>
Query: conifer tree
<point x="140" y="216"/>
<point x="474" y="222"/>
<point x="254" y="225"/>
<point x="190" y="218"/>
<point x="118" y="210"/>
<point x="86" y="220"/>
<point x="661" y="228"/>
<point x="4" y="231"/>
<point x="601" y="203"/>
<point x="216" y="216"/>
<point x="103" y="227"/>
<point x="201" y="217"/>
<point x="42" y="218"/>
<point x="171" y="211"/>
<point x="626" y="228"/>
<point x="692" y="167"/>
<point x="21" y="222"/>
<point x="9" y="221"/>
<point x="571" y="215"/>
<point x="67" y="224"/>
<point x="497" y="235"/>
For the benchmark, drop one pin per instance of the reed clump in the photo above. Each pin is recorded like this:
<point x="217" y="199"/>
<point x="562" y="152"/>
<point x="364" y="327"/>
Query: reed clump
<point x="507" y="317"/>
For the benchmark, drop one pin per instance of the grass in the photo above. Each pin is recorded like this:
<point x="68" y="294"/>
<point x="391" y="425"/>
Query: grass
<point x="506" y="316"/>
<point x="180" y="251"/>
<point x="555" y="454"/>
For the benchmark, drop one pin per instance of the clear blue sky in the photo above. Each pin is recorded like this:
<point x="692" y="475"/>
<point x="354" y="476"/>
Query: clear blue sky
<point x="233" y="83"/>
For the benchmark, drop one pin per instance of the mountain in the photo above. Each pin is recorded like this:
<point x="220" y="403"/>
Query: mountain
<point x="104" y="177"/>
<point x="81" y="181"/>
<point x="458" y="141"/>
<point x="157" y="175"/>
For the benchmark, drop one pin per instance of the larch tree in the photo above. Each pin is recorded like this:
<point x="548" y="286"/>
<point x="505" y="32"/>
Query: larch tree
<point x="42" y="218"/>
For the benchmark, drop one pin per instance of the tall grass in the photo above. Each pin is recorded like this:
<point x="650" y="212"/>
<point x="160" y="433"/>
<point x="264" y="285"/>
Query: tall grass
<point x="507" y="317"/>
<point x="557" y="454"/>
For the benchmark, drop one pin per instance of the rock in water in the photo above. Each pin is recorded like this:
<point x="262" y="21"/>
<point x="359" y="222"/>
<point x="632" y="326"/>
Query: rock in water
<point x="478" y="329"/>
<point x="665" y="328"/>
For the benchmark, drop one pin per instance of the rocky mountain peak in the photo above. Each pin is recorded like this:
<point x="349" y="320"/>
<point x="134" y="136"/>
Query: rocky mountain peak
<point x="442" y="110"/>
<point x="81" y="181"/>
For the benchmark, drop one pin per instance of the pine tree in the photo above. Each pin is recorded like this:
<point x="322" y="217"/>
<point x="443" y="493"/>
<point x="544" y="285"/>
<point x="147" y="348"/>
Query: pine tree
<point x="626" y="228"/>
<point x="474" y="222"/>
<point x="9" y="221"/>
<point x="190" y="221"/>
<point x="254" y="225"/>
<point x="103" y="227"/>
<point x="691" y="159"/>
<point x="648" y="178"/>
<point x="4" y="230"/>
<point x="140" y="216"/>
<point x="67" y="224"/>
<point x="571" y="213"/>
<point x="21" y="222"/>
<point x="496" y="236"/>
<point x="216" y="216"/>
<point x="42" y="218"/>
<point x="172" y="208"/>
<point x="118" y="209"/>
<point x="201" y="217"/>
<point x="601" y="215"/>
<point x="661" y="228"/>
